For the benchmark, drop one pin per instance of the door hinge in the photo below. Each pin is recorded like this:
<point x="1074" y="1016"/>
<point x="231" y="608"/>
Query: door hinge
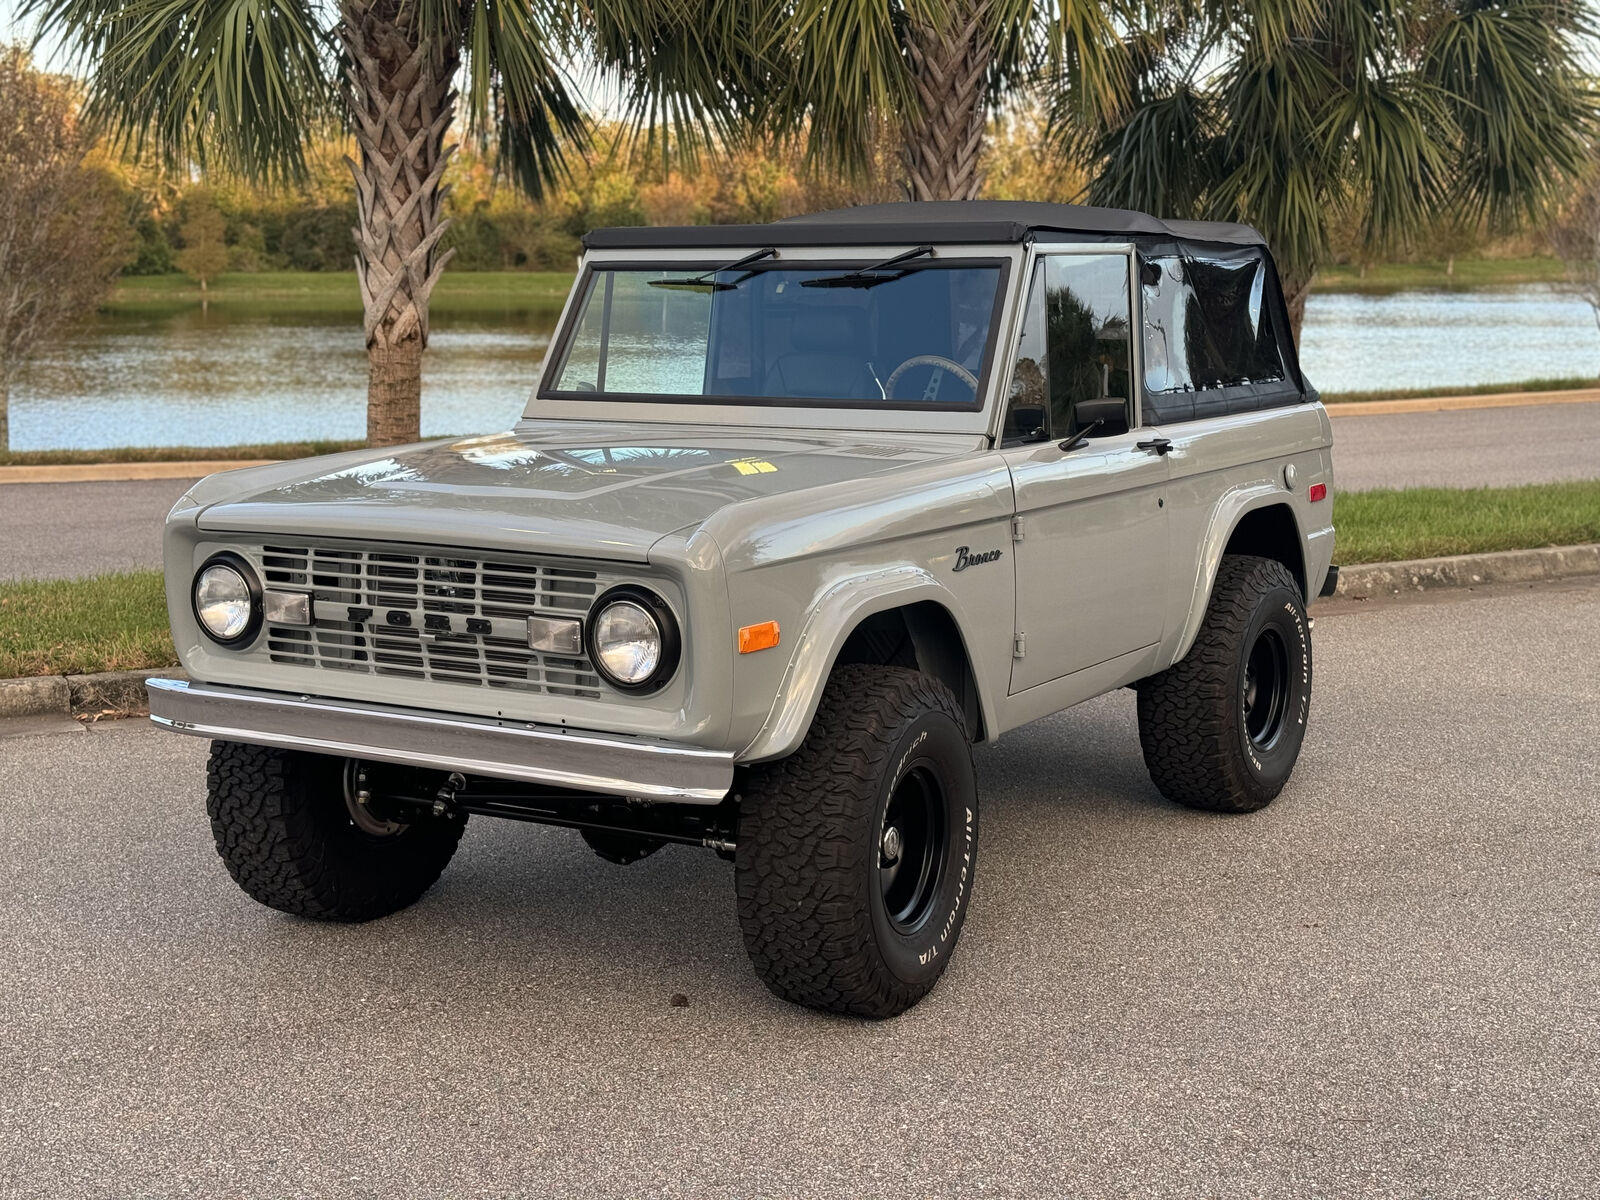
<point x="1019" y="648"/>
<point x="1016" y="529"/>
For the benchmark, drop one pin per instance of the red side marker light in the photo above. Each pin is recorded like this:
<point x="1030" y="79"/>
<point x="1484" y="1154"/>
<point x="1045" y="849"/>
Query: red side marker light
<point x="1317" y="491"/>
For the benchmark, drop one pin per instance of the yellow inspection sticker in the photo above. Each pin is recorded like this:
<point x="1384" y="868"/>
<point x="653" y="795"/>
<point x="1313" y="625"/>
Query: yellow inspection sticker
<point x="752" y="466"/>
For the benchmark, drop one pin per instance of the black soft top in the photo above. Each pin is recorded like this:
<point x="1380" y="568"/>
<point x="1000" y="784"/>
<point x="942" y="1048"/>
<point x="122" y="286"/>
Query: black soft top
<point x="936" y="221"/>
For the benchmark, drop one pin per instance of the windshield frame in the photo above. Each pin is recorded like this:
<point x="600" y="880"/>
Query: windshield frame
<point x="547" y="401"/>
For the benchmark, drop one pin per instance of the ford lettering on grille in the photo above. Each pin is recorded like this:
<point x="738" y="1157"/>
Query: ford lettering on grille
<point x="427" y="613"/>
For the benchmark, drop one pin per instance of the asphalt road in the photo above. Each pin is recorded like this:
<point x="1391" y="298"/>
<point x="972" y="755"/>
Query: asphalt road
<point x="1383" y="985"/>
<point x="64" y="530"/>
<point x="1482" y="447"/>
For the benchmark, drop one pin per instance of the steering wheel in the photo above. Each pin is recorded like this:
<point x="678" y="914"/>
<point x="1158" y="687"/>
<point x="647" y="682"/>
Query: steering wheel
<point x="930" y="360"/>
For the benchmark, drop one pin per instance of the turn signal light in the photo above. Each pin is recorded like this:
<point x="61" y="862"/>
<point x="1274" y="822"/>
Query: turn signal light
<point x="758" y="637"/>
<point x="1317" y="491"/>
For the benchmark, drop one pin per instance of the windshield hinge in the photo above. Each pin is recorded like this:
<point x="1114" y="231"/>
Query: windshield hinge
<point x="1019" y="648"/>
<point x="1016" y="529"/>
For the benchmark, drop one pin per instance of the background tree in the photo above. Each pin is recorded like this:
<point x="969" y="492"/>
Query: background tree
<point x="1575" y="235"/>
<point x="246" y="87"/>
<point x="205" y="251"/>
<point x="63" y="233"/>
<point x="1286" y="113"/>
<point x="931" y="72"/>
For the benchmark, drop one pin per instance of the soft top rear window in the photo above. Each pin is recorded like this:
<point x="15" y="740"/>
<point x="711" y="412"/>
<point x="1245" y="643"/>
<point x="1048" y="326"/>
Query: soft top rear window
<point x="914" y="335"/>
<point x="1208" y="324"/>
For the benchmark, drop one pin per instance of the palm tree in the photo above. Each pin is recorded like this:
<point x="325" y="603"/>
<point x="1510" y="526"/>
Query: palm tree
<point x="1283" y="113"/>
<point x="245" y="85"/>
<point x="928" y="74"/>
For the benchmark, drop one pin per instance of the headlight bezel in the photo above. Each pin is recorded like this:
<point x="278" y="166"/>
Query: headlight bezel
<point x="657" y="608"/>
<point x="240" y="566"/>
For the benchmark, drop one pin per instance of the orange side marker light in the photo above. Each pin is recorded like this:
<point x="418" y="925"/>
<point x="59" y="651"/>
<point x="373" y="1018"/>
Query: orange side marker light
<point x="758" y="637"/>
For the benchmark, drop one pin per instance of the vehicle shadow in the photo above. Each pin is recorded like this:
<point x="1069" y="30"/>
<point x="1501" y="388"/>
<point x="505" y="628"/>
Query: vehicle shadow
<point x="527" y="913"/>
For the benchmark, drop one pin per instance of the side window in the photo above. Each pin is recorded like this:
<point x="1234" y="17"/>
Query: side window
<point x="1207" y="328"/>
<point x="1074" y="346"/>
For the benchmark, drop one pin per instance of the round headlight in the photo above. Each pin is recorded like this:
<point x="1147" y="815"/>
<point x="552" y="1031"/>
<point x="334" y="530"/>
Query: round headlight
<point x="633" y="639"/>
<point x="227" y="599"/>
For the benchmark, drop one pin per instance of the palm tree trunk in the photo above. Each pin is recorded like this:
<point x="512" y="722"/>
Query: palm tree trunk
<point x="1295" y="292"/>
<point x="401" y="102"/>
<point x="5" y="413"/>
<point x="943" y="138"/>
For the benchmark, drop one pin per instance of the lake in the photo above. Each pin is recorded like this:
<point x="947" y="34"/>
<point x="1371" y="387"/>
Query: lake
<point x="231" y="375"/>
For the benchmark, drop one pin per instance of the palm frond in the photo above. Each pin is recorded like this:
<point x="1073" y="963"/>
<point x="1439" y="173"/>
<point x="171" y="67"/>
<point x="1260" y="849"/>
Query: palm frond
<point x="235" y="84"/>
<point x="836" y="70"/>
<point x="1526" y="114"/>
<point x="691" y="72"/>
<point x="1162" y="158"/>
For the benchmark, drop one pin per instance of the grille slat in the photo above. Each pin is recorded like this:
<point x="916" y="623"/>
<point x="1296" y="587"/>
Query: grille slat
<point x="422" y="583"/>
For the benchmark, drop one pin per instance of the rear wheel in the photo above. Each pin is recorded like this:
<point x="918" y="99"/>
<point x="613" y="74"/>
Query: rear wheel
<point x="299" y="833"/>
<point x="855" y="854"/>
<point x="1222" y="729"/>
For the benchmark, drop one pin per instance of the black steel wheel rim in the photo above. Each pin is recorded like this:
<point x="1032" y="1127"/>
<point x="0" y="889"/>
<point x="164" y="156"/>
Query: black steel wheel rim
<point x="1264" y="696"/>
<point x="911" y="848"/>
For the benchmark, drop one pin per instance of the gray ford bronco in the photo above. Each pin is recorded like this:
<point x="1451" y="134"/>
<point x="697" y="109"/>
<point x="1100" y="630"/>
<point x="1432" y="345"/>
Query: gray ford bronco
<point x="796" y="515"/>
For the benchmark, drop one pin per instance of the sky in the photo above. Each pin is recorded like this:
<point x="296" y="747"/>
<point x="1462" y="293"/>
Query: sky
<point x="14" y="29"/>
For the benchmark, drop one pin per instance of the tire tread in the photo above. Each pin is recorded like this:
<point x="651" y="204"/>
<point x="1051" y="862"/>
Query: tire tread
<point x="263" y="804"/>
<point x="801" y="858"/>
<point x="1187" y="721"/>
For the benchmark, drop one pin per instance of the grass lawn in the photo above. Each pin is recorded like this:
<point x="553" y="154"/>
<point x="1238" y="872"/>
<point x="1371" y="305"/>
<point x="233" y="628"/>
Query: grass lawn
<point x="1386" y="526"/>
<point x="134" y="454"/>
<point x="458" y="292"/>
<point x="1469" y="273"/>
<point x="119" y="622"/>
<point x="114" y="622"/>
<point x="1566" y="384"/>
<point x="468" y="292"/>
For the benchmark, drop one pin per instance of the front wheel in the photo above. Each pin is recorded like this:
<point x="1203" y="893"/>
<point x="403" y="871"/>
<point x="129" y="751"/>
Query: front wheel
<point x="297" y="834"/>
<point x="855" y="857"/>
<point x="1221" y="730"/>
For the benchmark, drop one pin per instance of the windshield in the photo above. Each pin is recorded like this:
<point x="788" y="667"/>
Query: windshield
<point x="914" y="335"/>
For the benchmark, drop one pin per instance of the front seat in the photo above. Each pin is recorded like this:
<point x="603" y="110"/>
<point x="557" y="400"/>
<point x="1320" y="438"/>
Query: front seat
<point x="829" y="359"/>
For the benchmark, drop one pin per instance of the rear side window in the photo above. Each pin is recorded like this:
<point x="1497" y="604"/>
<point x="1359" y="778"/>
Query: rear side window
<point x="1211" y="343"/>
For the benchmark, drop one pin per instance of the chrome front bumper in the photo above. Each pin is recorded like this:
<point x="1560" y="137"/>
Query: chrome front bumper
<point x="594" y="762"/>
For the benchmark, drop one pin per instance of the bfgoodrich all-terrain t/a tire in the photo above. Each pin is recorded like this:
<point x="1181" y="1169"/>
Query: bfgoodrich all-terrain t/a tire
<point x="1221" y="729"/>
<point x="285" y="830"/>
<point x="856" y="853"/>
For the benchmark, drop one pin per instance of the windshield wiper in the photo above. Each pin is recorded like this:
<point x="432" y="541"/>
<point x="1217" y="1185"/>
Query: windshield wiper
<point x="707" y="282"/>
<point x="868" y="276"/>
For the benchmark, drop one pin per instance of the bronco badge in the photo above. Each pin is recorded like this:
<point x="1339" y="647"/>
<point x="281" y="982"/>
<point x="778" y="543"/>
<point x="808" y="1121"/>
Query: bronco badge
<point x="965" y="558"/>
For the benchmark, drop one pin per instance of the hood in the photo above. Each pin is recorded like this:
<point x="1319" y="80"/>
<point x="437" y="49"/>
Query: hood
<point x="587" y="490"/>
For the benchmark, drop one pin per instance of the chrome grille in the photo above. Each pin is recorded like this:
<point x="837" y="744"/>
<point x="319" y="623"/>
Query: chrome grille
<point x="405" y="611"/>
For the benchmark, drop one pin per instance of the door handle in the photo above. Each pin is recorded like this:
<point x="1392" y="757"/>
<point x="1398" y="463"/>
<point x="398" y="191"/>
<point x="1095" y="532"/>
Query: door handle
<point x="1160" y="445"/>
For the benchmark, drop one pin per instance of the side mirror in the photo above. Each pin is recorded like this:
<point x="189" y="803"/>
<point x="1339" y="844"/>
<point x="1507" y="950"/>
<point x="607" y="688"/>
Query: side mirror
<point x="1110" y="411"/>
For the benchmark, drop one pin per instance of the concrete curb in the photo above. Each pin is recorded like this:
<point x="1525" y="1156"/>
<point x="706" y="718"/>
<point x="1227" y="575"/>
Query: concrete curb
<point x="37" y="696"/>
<point x="124" y="692"/>
<point x="1423" y="404"/>
<point x="1468" y="570"/>
<point x="78" y="695"/>
<point x="126" y="472"/>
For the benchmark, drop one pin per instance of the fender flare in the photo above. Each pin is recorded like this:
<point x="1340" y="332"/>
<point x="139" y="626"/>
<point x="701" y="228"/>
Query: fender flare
<point x="1230" y="509"/>
<point x="833" y="618"/>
